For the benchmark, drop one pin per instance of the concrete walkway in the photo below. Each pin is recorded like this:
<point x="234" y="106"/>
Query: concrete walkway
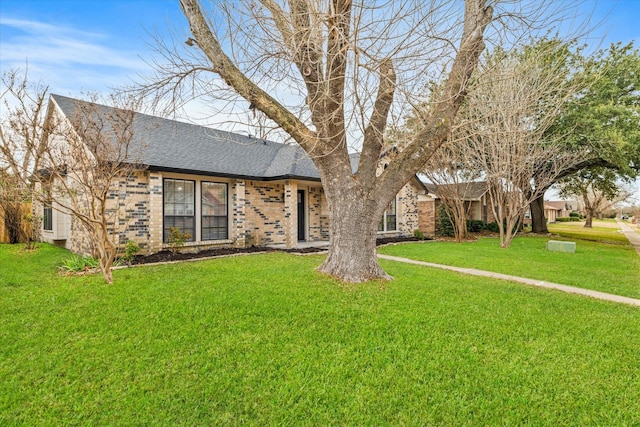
<point x="532" y="282"/>
<point x="632" y="236"/>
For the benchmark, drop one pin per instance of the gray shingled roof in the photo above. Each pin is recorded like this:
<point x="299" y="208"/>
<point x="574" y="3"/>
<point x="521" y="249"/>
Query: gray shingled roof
<point x="471" y="190"/>
<point x="182" y="147"/>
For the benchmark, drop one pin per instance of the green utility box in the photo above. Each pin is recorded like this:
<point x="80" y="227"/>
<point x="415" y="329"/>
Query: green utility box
<point x="558" y="246"/>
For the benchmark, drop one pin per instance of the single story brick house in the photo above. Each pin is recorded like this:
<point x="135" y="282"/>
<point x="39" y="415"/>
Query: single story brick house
<point x="222" y="188"/>
<point x="475" y="198"/>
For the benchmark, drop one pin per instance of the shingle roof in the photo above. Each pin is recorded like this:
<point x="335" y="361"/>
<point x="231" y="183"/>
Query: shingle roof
<point x="470" y="190"/>
<point x="557" y="205"/>
<point x="176" y="146"/>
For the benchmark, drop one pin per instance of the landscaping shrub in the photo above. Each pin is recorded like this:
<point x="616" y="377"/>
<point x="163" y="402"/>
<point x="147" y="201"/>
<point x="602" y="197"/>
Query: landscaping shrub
<point x="77" y="263"/>
<point x="418" y="235"/>
<point x="445" y="226"/>
<point x="574" y="214"/>
<point x="130" y="251"/>
<point x="475" y="225"/>
<point x="177" y="239"/>
<point x="563" y="219"/>
<point x="492" y="227"/>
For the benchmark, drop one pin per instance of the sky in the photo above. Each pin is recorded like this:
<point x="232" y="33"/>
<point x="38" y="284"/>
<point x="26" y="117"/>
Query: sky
<point x="80" y="46"/>
<point x="76" y="46"/>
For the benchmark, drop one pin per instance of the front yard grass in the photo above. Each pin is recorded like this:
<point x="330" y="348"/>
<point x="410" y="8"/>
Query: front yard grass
<point x="611" y="268"/>
<point x="606" y="231"/>
<point x="266" y="340"/>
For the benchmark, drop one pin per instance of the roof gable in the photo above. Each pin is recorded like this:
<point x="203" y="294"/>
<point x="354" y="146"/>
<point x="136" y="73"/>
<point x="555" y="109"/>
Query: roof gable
<point x="177" y="146"/>
<point x="170" y="145"/>
<point x="473" y="190"/>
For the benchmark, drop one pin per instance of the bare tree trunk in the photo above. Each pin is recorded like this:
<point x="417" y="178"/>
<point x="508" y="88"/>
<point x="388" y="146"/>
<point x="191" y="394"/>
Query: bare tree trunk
<point x="538" y="220"/>
<point x="12" y="221"/>
<point x="353" y="230"/>
<point x="352" y="248"/>
<point x="588" y="223"/>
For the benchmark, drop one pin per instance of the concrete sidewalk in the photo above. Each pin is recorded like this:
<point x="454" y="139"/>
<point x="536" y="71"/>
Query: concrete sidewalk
<point x="533" y="282"/>
<point x="632" y="236"/>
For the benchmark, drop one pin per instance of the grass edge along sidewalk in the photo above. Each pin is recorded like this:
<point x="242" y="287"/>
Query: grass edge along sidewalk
<point x="631" y="235"/>
<point x="533" y="282"/>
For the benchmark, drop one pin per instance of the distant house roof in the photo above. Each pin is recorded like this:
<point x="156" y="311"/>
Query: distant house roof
<point x="175" y="146"/>
<point x="470" y="190"/>
<point x="558" y="205"/>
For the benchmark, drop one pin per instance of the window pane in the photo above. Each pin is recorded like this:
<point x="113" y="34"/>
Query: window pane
<point x="214" y="211"/>
<point x="47" y="218"/>
<point x="179" y="202"/>
<point x="391" y="209"/>
<point x="391" y="222"/>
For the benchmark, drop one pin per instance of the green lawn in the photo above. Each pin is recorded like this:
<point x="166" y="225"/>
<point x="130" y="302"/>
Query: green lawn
<point x="611" y="268"/>
<point x="601" y="231"/>
<point x="265" y="340"/>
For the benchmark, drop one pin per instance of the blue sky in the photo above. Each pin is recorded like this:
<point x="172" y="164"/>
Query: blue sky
<point x="90" y="45"/>
<point x="82" y="45"/>
<point x="78" y="46"/>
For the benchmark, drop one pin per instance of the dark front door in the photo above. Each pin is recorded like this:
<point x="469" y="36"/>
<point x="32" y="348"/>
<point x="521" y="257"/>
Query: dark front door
<point x="302" y="225"/>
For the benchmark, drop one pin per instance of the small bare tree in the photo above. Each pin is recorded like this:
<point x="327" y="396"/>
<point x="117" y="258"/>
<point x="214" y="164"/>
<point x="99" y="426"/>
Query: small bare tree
<point x="76" y="163"/>
<point x="90" y="156"/>
<point x="23" y="107"/>
<point x="514" y="101"/>
<point x="449" y="170"/>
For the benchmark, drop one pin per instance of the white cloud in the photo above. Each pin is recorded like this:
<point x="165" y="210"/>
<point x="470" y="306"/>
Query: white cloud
<point x="68" y="59"/>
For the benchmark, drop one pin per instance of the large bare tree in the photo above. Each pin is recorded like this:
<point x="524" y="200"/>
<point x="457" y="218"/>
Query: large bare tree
<point x="331" y="74"/>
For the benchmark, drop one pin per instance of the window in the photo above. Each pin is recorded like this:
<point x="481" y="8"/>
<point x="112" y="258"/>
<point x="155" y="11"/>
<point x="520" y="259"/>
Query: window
<point x="47" y="216"/>
<point x="214" y="211"/>
<point x="388" y="221"/>
<point x="179" y="207"/>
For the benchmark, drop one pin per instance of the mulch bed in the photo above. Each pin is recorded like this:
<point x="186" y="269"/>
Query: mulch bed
<point x="166" y="255"/>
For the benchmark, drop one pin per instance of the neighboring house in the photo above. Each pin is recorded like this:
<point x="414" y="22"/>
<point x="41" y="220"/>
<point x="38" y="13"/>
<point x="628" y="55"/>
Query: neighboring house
<point x="556" y="209"/>
<point x="560" y="209"/>
<point x="222" y="188"/>
<point x="475" y="198"/>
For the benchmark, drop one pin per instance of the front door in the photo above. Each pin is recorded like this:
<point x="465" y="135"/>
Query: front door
<point x="302" y="224"/>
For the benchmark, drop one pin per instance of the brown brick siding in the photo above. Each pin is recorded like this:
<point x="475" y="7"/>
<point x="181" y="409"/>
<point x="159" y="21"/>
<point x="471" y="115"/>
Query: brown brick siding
<point x="260" y="213"/>
<point x="264" y="213"/>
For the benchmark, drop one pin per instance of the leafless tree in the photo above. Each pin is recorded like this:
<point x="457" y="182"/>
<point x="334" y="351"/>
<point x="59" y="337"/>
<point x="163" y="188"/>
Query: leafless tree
<point x="333" y="75"/>
<point x="23" y="105"/>
<point x="90" y="157"/>
<point x="514" y="101"/>
<point x="75" y="164"/>
<point x="451" y="171"/>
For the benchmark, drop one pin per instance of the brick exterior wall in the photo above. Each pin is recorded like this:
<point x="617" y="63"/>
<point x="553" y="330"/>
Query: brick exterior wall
<point x="128" y="210"/>
<point x="264" y="213"/>
<point x="427" y="215"/>
<point x="260" y="213"/>
<point x="407" y="209"/>
<point x="318" y="214"/>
